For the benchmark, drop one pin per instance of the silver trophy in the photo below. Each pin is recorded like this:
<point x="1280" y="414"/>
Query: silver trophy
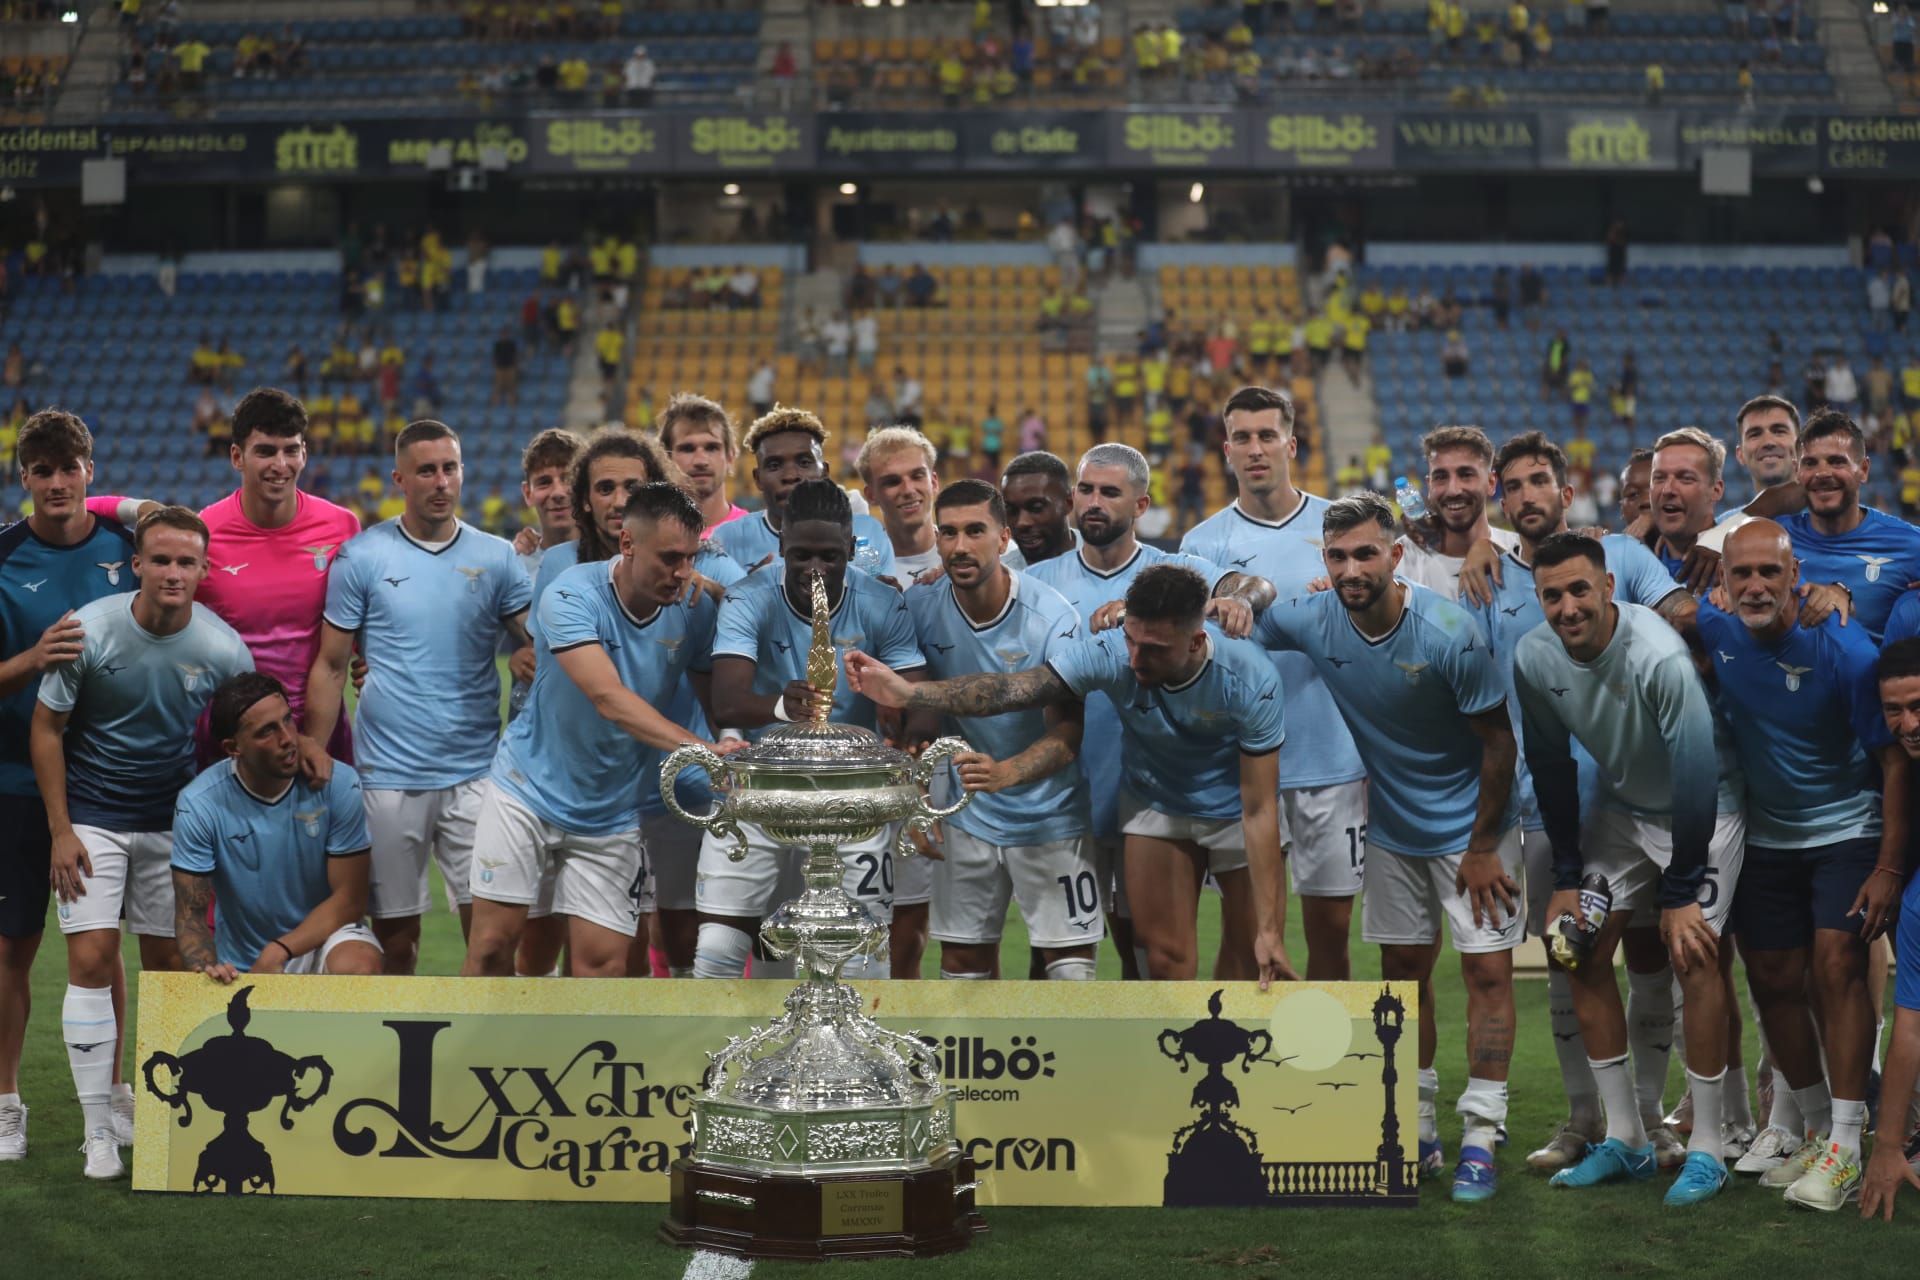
<point x="822" y="1134"/>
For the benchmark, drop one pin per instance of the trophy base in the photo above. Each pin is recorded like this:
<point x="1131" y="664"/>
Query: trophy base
<point x="914" y="1214"/>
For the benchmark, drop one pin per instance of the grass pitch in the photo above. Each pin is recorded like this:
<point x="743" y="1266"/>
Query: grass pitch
<point x="60" y="1226"/>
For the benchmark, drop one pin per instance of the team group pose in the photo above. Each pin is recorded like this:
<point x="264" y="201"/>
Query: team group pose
<point x="251" y="732"/>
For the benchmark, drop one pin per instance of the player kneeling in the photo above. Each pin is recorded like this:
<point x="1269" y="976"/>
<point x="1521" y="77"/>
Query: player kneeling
<point x="283" y="861"/>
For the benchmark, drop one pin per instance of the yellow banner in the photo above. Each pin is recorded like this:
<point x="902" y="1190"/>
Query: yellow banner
<point x="543" y="1089"/>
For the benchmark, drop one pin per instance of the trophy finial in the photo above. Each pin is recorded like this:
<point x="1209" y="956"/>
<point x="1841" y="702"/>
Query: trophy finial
<point x="822" y="671"/>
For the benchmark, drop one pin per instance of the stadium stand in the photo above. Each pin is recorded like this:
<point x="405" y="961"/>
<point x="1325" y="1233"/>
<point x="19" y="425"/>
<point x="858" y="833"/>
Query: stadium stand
<point x="116" y="349"/>
<point x="424" y="64"/>
<point x="1702" y="339"/>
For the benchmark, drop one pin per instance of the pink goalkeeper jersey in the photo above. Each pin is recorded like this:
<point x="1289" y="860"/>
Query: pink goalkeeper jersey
<point x="270" y="585"/>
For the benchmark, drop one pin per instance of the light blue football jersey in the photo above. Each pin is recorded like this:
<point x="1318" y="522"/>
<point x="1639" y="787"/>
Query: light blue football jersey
<point x="1036" y="622"/>
<point x="1805" y="719"/>
<point x="1642" y="712"/>
<point x="1638" y="578"/>
<point x="1406" y="697"/>
<point x="1086" y="589"/>
<point x="268" y="858"/>
<point x="758" y="623"/>
<point x="1320" y="751"/>
<point x="38" y="583"/>
<point x="750" y="539"/>
<point x="133" y="699"/>
<point x="430" y="623"/>
<point x="1875" y="560"/>
<point x="1180" y="746"/>
<point x="560" y="757"/>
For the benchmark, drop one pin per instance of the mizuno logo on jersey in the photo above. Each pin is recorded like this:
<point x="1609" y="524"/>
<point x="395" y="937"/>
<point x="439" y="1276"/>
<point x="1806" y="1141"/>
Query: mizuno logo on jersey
<point x="1510" y="612"/>
<point x="108" y="669"/>
<point x="85" y="1048"/>
<point x="35" y="586"/>
<point x="1793" y="675"/>
<point x="1070" y="632"/>
<point x="1724" y="655"/>
<point x="1266" y="697"/>
<point x="319" y="553"/>
<point x="1340" y="662"/>
<point x="932" y="644"/>
<point x="473" y="576"/>
<point x="1241" y="563"/>
<point x="1558" y="693"/>
<point x="395" y="581"/>
<point x="1411" y="670"/>
<point x="113" y="570"/>
<point x="234" y="569"/>
<point x="1873" y="566"/>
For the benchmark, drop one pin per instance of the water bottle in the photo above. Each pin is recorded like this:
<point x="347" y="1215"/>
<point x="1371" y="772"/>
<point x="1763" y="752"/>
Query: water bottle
<point x="1413" y="504"/>
<point x="517" y="698"/>
<point x="1573" y="936"/>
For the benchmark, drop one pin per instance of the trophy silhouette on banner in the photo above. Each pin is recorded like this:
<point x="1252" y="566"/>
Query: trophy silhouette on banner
<point x="822" y="1134"/>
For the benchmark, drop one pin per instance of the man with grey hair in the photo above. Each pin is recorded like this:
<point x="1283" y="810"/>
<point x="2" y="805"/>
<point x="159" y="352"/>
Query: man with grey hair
<point x="1109" y="497"/>
<point x="1416" y="682"/>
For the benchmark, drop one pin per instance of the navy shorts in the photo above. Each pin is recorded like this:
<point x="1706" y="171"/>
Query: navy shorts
<point x="26" y="856"/>
<point x="1785" y="894"/>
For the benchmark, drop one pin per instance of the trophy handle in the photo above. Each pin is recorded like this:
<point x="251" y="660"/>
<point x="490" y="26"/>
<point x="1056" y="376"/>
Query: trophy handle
<point x="698" y="755"/>
<point x="179" y="1097"/>
<point x="925" y="814"/>
<point x="296" y="1101"/>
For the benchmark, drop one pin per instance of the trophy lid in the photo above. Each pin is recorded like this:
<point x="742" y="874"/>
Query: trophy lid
<point x="814" y="747"/>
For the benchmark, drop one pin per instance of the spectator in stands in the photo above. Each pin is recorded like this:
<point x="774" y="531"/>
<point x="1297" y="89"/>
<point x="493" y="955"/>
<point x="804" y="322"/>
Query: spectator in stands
<point x="743" y="288"/>
<point x="760" y="387"/>
<point x="208" y="413"/>
<point x="1743" y="82"/>
<point x="1617" y="252"/>
<point x="192" y="59"/>
<point x="921" y="286"/>
<point x="608" y="344"/>
<point x="293" y="370"/>
<point x="1557" y="365"/>
<point x="1353" y="345"/>
<point x="1656" y="79"/>
<point x="1786" y="19"/>
<point x="1878" y="385"/>
<point x="575" y="75"/>
<point x="1542" y="41"/>
<point x="1900" y="301"/>
<point x="1580" y="393"/>
<point x="878" y="411"/>
<point x="637" y="77"/>
<point x="1813" y="383"/>
<point x="807" y="340"/>
<point x="506" y="368"/>
<point x="1533" y="291"/>
<point x="426" y="390"/>
<point x="1032" y="431"/>
<point x="1880" y="299"/>
<point x="203" y="366"/>
<point x="909" y="399"/>
<point x="1454" y="356"/>
<point x="836" y="338"/>
<point x="888" y="284"/>
<point x="1099" y="397"/>
<point x="230" y="363"/>
<point x="1901" y="33"/>
<point x="993" y="432"/>
<point x="1842" y="389"/>
<point x="566" y="323"/>
<point x="1502" y="296"/>
<point x="866" y="341"/>
<point x="861" y="288"/>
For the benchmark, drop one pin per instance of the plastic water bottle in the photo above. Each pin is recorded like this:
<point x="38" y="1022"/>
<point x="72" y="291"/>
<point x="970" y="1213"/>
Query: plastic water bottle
<point x="1573" y="936"/>
<point x="1413" y="505"/>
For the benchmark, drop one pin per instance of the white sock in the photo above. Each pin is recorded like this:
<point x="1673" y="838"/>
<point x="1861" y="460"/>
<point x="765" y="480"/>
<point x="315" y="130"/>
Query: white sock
<point x="1849" y="1118"/>
<point x="87" y="1025"/>
<point x="1483" y="1110"/>
<point x="1816" y="1109"/>
<point x="1707" y="1093"/>
<point x="1735" y="1106"/>
<point x="1070" y="969"/>
<point x="964" y="977"/>
<point x="1429" y="1113"/>
<point x="1583" y="1096"/>
<point x="1616" y="1097"/>
<point x="122" y="1090"/>
<point x="721" y="952"/>
<point x="1786" y="1108"/>
<point x="680" y="971"/>
<point x="1650" y="1036"/>
<point x="9" y="1099"/>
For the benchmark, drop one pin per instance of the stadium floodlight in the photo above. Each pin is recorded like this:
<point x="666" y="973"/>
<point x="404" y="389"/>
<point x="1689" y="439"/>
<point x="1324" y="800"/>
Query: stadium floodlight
<point x="849" y="189"/>
<point x="70" y="16"/>
<point x="731" y="189"/>
<point x="1196" y="193"/>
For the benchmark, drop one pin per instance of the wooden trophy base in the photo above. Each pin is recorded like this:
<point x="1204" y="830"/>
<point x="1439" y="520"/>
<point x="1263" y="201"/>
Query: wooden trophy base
<point x="852" y="1215"/>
